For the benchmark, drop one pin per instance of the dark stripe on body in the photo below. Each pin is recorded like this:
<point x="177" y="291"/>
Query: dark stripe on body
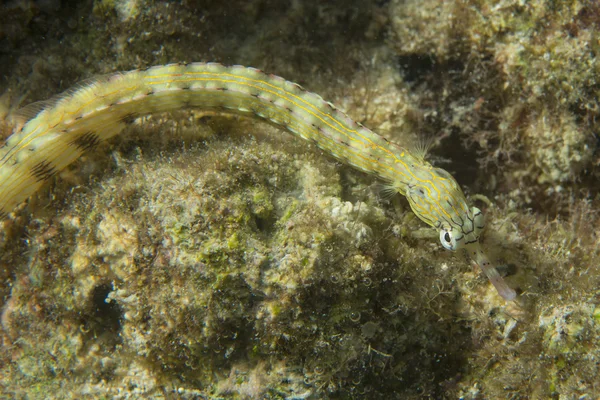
<point x="87" y="141"/>
<point x="43" y="171"/>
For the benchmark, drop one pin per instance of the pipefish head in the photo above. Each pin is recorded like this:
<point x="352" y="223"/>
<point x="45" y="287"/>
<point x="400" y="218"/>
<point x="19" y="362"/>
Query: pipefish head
<point x="437" y="199"/>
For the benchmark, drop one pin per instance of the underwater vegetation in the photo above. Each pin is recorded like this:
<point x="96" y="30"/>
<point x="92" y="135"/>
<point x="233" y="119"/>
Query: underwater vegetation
<point x="203" y="255"/>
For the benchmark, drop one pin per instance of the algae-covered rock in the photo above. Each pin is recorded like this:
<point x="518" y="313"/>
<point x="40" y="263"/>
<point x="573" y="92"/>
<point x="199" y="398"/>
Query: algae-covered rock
<point x="520" y="79"/>
<point x="234" y="267"/>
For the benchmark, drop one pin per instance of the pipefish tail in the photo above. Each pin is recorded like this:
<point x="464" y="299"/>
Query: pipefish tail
<point x="82" y="118"/>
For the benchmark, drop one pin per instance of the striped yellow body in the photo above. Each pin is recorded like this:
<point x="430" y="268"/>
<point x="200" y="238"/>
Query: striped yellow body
<point x="82" y="118"/>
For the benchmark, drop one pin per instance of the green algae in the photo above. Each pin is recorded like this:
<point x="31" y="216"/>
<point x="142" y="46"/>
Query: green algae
<point x="532" y="84"/>
<point x="243" y="291"/>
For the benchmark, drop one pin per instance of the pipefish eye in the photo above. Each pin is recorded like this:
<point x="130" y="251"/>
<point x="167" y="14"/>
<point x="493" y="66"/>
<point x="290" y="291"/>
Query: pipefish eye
<point x="448" y="240"/>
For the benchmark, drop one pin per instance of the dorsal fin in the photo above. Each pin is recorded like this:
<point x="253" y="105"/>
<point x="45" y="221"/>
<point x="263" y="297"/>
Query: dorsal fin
<point x="421" y="146"/>
<point x="30" y="111"/>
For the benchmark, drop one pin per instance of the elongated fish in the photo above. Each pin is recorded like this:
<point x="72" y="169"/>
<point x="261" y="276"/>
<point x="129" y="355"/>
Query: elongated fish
<point x="83" y="117"/>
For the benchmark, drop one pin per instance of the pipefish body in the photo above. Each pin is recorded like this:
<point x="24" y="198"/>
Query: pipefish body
<point x="82" y="118"/>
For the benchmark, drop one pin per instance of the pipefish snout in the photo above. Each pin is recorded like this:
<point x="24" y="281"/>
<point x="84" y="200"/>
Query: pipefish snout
<point x="439" y="201"/>
<point x="80" y="119"/>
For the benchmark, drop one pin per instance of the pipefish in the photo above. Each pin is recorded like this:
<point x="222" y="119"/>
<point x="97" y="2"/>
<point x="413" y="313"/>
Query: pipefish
<point x="79" y="119"/>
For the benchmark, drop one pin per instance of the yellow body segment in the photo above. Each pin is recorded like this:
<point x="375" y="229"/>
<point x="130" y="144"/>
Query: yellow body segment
<point x="82" y="118"/>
